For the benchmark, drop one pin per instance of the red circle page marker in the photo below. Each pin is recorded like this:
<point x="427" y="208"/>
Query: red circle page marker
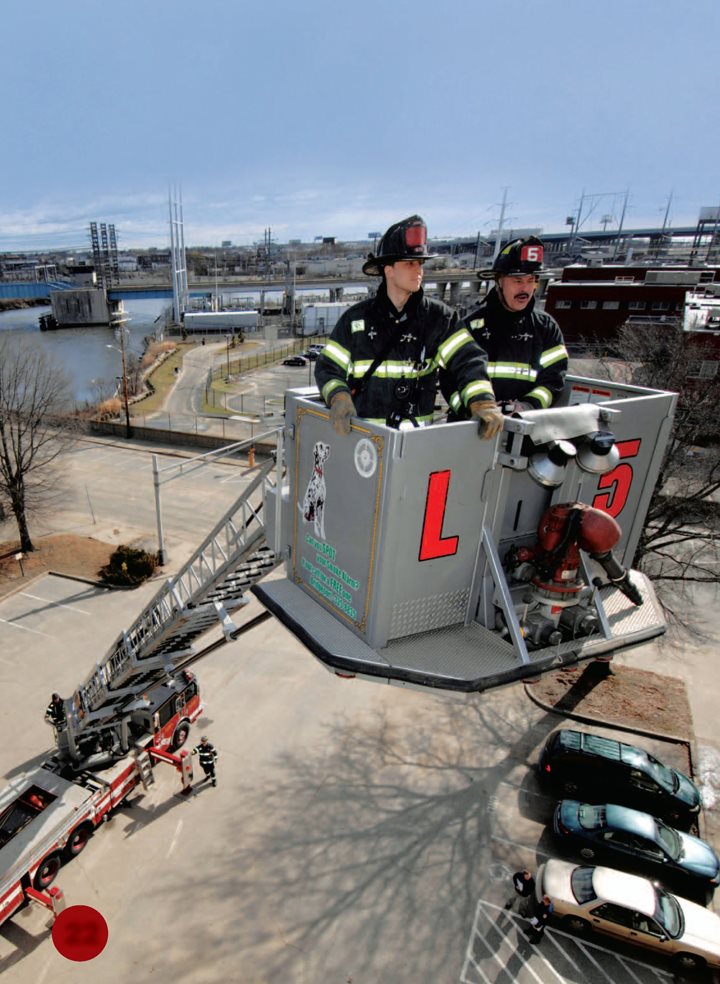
<point x="80" y="933"/>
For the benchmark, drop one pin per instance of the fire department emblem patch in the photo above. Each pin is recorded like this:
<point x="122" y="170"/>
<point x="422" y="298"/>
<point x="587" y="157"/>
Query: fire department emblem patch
<point x="365" y="458"/>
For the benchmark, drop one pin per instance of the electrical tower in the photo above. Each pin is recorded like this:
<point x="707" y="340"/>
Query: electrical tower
<point x="105" y="255"/>
<point x="178" y="261"/>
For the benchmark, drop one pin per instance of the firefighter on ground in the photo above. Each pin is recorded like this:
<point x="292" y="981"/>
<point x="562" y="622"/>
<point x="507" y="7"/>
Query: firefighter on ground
<point x="382" y="359"/>
<point x="207" y="754"/>
<point x="527" y="358"/>
<point x="55" y="712"/>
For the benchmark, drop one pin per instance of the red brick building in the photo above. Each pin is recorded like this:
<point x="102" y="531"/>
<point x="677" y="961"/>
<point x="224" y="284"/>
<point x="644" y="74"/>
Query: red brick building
<point x="591" y="303"/>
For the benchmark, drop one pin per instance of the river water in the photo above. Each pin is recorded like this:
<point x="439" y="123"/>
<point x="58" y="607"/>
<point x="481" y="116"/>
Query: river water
<point x="93" y="368"/>
<point x="83" y="353"/>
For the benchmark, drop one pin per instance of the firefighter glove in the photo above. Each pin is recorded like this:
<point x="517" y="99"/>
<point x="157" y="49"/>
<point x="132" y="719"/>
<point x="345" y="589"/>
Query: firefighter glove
<point x="342" y="409"/>
<point x="489" y="416"/>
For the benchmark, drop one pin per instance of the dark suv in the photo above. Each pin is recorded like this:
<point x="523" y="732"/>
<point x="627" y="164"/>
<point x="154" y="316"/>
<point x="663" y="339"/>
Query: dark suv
<point x="603" y="769"/>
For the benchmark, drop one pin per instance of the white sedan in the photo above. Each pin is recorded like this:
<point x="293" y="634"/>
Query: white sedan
<point x="633" y="909"/>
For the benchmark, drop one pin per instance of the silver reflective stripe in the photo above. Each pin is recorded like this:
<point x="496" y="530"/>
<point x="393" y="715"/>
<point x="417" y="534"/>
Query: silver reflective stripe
<point x="542" y="394"/>
<point x="511" y="370"/>
<point x="451" y="345"/>
<point x="555" y="354"/>
<point x="337" y="354"/>
<point x="477" y="388"/>
<point x="330" y="387"/>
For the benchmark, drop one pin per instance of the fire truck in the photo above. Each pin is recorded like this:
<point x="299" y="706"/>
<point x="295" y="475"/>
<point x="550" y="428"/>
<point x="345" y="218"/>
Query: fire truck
<point x="420" y="558"/>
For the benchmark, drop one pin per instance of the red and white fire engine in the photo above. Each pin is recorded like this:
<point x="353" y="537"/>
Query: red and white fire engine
<point x="48" y="814"/>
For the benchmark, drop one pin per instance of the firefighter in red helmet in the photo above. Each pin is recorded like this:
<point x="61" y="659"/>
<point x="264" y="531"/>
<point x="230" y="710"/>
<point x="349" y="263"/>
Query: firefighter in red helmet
<point x="382" y="359"/>
<point x="527" y="358"/>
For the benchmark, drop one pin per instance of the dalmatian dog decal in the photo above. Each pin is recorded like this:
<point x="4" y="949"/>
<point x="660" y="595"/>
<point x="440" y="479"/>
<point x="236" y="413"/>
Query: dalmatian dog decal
<point x="313" y="507"/>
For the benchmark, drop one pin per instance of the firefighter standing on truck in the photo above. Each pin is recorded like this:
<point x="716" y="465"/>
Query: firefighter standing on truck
<point x="207" y="754"/>
<point x="382" y="359"/>
<point x="527" y="358"/>
<point x="55" y="712"/>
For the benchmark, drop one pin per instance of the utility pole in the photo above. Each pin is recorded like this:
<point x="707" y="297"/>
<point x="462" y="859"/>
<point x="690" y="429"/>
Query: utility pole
<point x="498" y="238"/>
<point x="575" y="228"/>
<point x="126" y="401"/>
<point x="620" y="227"/>
<point x="128" y="431"/>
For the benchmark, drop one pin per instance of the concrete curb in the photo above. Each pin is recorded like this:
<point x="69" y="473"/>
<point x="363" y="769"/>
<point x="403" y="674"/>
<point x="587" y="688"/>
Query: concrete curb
<point x="617" y="725"/>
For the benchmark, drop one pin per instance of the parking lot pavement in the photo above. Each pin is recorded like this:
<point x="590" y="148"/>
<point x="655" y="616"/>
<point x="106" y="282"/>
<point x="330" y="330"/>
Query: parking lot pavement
<point x="107" y="492"/>
<point x="51" y="634"/>
<point x="498" y="952"/>
<point x="353" y="829"/>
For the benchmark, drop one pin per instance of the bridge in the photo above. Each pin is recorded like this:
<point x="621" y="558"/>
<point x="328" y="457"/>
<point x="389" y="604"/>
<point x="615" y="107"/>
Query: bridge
<point x="556" y="243"/>
<point x="149" y="290"/>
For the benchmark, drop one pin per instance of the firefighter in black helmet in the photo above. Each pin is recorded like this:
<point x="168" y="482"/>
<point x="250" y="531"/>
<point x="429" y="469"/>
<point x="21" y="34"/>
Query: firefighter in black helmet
<point x="55" y="712"/>
<point x="527" y="358"/>
<point x="383" y="356"/>
<point x="207" y="754"/>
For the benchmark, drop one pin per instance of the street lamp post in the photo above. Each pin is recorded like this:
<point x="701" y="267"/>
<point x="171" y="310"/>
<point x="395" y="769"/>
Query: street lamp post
<point x="227" y="351"/>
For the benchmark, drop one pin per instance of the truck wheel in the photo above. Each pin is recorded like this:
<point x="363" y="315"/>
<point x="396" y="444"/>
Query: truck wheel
<point x="180" y="736"/>
<point x="47" y="872"/>
<point x="77" y="841"/>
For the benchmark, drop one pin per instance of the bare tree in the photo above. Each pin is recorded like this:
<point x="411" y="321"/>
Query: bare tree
<point x="680" y="540"/>
<point x="34" y="393"/>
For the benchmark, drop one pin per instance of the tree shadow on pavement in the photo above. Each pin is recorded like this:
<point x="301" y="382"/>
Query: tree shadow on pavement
<point x="377" y="844"/>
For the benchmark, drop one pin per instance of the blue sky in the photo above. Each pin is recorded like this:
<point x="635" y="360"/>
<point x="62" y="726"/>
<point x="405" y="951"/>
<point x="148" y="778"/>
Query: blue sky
<point x="327" y="117"/>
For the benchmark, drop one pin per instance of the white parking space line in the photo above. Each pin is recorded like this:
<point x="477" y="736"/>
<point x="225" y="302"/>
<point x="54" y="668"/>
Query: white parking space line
<point x="55" y="604"/>
<point x="24" y="628"/>
<point x="486" y="921"/>
<point x="174" y="841"/>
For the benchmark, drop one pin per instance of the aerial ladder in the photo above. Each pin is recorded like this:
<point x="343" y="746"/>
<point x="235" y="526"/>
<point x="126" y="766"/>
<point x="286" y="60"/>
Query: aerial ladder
<point x="160" y="644"/>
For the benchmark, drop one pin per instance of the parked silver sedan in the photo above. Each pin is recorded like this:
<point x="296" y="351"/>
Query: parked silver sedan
<point x="633" y="909"/>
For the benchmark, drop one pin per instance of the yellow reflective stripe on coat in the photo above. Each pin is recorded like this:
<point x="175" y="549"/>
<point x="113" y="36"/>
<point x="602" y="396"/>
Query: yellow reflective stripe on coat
<point x="451" y="345"/>
<point x="455" y="402"/>
<point x="386" y="370"/>
<point x="512" y="370"/>
<point x="330" y="387"/>
<point x="337" y="354"/>
<point x="542" y="394"/>
<point x="553" y="355"/>
<point x="481" y="387"/>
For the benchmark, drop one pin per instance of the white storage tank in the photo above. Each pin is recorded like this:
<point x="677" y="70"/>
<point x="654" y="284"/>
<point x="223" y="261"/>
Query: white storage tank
<point x="320" y="319"/>
<point x="220" y="322"/>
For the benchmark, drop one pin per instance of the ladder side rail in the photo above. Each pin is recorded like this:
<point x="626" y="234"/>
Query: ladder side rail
<point x="182" y="583"/>
<point x="191" y="623"/>
<point x="188" y="584"/>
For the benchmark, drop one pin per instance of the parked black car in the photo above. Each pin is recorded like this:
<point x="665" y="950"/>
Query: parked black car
<point x="602" y="769"/>
<point x="622" y="837"/>
<point x="295" y="360"/>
